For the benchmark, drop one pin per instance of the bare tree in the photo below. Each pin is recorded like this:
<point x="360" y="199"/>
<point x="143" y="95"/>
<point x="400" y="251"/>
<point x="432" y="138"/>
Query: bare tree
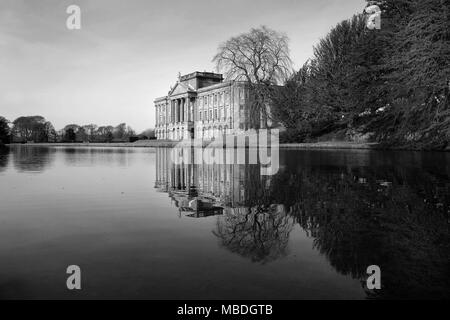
<point x="260" y="233"/>
<point x="261" y="58"/>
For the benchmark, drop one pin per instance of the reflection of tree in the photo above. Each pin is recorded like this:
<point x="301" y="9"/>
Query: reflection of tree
<point x="4" y="158"/>
<point x="361" y="208"/>
<point x="357" y="219"/>
<point x="260" y="233"/>
<point x="259" y="228"/>
<point x="35" y="159"/>
<point x="92" y="156"/>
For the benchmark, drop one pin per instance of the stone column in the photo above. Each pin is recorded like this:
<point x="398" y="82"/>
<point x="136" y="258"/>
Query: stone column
<point x="171" y="111"/>
<point x="174" y="105"/>
<point x="188" y="109"/>
<point x="167" y="113"/>
<point x="174" y="111"/>
<point x="191" y="109"/>
<point x="182" y="110"/>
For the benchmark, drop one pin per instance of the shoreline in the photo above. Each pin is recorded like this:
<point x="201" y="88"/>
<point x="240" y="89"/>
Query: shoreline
<point x="326" y="145"/>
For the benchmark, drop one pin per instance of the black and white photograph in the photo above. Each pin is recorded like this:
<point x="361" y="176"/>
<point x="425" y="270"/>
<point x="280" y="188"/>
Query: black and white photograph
<point x="215" y="152"/>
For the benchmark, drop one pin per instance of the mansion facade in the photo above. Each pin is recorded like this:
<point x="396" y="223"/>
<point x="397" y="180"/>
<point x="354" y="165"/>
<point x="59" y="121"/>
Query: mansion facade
<point x="202" y="105"/>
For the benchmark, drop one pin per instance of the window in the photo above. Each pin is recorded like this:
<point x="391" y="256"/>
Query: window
<point x="200" y="115"/>
<point x="227" y="98"/>
<point x="215" y="114"/>
<point x="210" y="114"/>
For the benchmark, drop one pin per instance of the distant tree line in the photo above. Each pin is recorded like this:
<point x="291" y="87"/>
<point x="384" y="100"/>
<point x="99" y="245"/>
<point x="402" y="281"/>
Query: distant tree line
<point x="391" y="84"/>
<point x="94" y="133"/>
<point x="38" y="129"/>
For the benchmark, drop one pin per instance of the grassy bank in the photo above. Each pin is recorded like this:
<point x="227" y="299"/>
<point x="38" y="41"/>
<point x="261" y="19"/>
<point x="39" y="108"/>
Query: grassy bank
<point x="171" y="144"/>
<point x="137" y="144"/>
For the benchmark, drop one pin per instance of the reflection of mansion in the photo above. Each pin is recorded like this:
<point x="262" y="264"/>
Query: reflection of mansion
<point x="221" y="185"/>
<point x="203" y="106"/>
<point x="206" y="189"/>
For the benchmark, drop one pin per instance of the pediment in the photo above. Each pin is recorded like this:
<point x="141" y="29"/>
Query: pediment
<point x="180" y="88"/>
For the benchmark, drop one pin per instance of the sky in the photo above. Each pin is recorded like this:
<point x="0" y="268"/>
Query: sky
<point x="127" y="53"/>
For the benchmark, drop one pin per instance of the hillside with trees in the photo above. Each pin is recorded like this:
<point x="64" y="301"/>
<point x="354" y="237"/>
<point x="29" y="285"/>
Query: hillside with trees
<point x="389" y="85"/>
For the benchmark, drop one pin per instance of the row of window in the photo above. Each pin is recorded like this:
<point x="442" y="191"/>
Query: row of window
<point x="220" y="98"/>
<point x="216" y="99"/>
<point x="212" y="100"/>
<point x="211" y="114"/>
<point x="202" y="116"/>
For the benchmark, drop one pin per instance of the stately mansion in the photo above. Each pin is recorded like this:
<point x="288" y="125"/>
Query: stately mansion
<point x="202" y="105"/>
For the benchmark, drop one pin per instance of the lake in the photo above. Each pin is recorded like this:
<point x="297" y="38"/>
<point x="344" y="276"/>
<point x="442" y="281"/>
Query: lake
<point x="140" y="226"/>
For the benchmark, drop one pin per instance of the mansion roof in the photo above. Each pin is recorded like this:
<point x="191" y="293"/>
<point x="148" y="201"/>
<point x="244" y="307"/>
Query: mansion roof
<point x="196" y="82"/>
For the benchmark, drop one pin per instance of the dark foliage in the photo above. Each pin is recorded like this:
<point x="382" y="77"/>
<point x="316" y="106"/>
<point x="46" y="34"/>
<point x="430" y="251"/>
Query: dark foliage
<point x="4" y="130"/>
<point x="33" y="128"/>
<point x="392" y="83"/>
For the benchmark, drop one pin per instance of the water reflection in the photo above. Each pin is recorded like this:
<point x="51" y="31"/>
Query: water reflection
<point x="4" y="159"/>
<point x="249" y="223"/>
<point x="32" y="159"/>
<point x="37" y="159"/>
<point x="92" y="156"/>
<point x="361" y="208"/>
<point x="260" y="233"/>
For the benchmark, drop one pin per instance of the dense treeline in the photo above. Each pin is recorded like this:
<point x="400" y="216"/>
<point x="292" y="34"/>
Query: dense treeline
<point x="94" y="133"/>
<point x="38" y="129"/>
<point x="390" y="85"/>
<point x="4" y="131"/>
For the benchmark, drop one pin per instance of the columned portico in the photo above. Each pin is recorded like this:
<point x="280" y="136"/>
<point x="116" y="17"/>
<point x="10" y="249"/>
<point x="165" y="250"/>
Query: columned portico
<point x="177" y="123"/>
<point x="201" y="105"/>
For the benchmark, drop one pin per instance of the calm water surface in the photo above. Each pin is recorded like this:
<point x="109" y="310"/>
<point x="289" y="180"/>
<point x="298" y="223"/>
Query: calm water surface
<point x="141" y="227"/>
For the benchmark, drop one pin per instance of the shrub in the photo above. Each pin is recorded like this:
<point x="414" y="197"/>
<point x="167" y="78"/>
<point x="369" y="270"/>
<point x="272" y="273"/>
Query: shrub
<point x="293" y="135"/>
